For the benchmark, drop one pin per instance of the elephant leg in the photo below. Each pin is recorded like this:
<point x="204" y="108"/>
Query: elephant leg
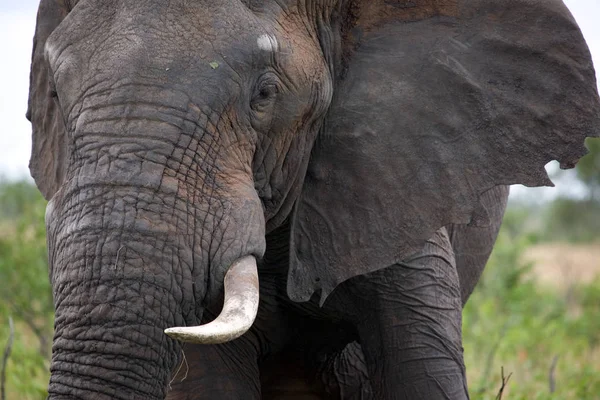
<point x="408" y="318"/>
<point x="314" y="370"/>
<point x="344" y="374"/>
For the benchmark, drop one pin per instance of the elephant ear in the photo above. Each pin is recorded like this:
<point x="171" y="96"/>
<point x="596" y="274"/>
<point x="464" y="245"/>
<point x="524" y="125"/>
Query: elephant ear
<point x="438" y="103"/>
<point x="48" y="151"/>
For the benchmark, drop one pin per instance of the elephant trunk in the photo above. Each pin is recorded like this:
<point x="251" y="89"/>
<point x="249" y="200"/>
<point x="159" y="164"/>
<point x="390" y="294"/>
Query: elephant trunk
<point x="153" y="212"/>
<point x="113" y="298"/>
<point x="117" y="290"/>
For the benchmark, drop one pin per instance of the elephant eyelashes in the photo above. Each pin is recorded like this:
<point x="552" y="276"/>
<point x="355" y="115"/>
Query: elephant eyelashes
<point x="70" y="4"/>
<point x="264" y="97"/>
<point x="267" y="92"/>
<point x="263" y="101"/>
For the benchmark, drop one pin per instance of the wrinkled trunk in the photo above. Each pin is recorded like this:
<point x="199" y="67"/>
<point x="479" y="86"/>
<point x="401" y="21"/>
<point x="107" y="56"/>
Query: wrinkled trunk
<point x="115" y="290"/>
<point x="140" y="238"/>
<point x="109" y="343"/>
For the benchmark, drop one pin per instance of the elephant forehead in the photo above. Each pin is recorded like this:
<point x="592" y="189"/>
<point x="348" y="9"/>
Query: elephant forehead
<point x="219" y="46"/>
<point x="182" y="31"/>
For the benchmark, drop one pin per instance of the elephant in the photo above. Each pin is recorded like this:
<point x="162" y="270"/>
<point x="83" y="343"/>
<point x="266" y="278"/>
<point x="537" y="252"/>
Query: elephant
<point x="287" y="198"/>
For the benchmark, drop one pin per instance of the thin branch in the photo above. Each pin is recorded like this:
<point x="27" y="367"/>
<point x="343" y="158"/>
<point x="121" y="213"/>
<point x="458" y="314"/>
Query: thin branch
<point x="483" y="386"/>
<point x="551" y="379"/>
<point x="28" y="317"/>
<point x="7" y="351"/>
<point x="504" y="383"/>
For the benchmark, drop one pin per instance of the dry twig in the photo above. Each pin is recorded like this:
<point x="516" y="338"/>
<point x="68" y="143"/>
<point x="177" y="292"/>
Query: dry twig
<point x="552" y="381"/>
<point x="29" y="317"/>
<point x="504" y="383"/>
<point x="7" y="351"/>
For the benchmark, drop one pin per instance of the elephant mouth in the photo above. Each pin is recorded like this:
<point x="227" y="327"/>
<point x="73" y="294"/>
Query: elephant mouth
<point x="239" y="308"/>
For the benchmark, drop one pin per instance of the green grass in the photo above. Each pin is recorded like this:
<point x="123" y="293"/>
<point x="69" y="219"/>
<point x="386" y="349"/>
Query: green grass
<point x="510" y="321"/>
<point x="27" y="367"/>
<point x="24" y="290"/>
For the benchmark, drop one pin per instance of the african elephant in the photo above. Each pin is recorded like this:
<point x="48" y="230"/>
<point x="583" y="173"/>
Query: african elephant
<point x="358" y="152"/>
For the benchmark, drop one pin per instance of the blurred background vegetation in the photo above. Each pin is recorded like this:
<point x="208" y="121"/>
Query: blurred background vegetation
<point x="534" y="315"/>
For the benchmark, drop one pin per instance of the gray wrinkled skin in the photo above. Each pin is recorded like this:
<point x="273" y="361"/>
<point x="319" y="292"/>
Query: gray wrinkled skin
<point x="360" y="150"/>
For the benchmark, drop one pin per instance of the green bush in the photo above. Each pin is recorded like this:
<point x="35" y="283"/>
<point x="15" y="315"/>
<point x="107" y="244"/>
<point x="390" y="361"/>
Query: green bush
<point x="25" y="293"/>
<point x="512" y="322"/>
<point x="589" y="166"/>
<point x="572" y="220"/>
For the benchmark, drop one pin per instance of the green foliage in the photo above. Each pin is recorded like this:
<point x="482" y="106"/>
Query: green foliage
<point x="19" y="199"/>
<point x="24" y="289"/>
<point x="588" y="168"/>
<point x="572" y="220"/>
<point x="511" y="321"/>
<point x="27" y="369"/>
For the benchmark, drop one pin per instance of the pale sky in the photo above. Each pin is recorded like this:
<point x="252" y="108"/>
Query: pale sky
<point x="17" y="23"/>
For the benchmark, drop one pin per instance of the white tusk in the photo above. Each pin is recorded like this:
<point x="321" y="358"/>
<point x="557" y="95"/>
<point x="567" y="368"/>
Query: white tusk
<point x="239" y="308"/>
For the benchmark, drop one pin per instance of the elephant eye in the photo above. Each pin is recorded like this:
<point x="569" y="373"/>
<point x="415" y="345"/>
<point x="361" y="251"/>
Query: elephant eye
<point x="71" y="4"/>
<point x="52" y="86"/>
<point x="267" y="92"/>
<point x="264" y="94"/>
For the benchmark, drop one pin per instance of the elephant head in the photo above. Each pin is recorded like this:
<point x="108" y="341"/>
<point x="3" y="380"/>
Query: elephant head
<point x="171" y="137"/>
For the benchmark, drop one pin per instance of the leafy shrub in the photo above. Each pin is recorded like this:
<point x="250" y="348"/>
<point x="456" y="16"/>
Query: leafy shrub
<point x="25" y="292"/>
<point x="512" y="322"/>
<point x="572" y="220"/>
<point x="589" y="166"/>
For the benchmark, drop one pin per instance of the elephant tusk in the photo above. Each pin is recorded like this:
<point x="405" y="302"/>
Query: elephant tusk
<point x="239" y="308"/>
